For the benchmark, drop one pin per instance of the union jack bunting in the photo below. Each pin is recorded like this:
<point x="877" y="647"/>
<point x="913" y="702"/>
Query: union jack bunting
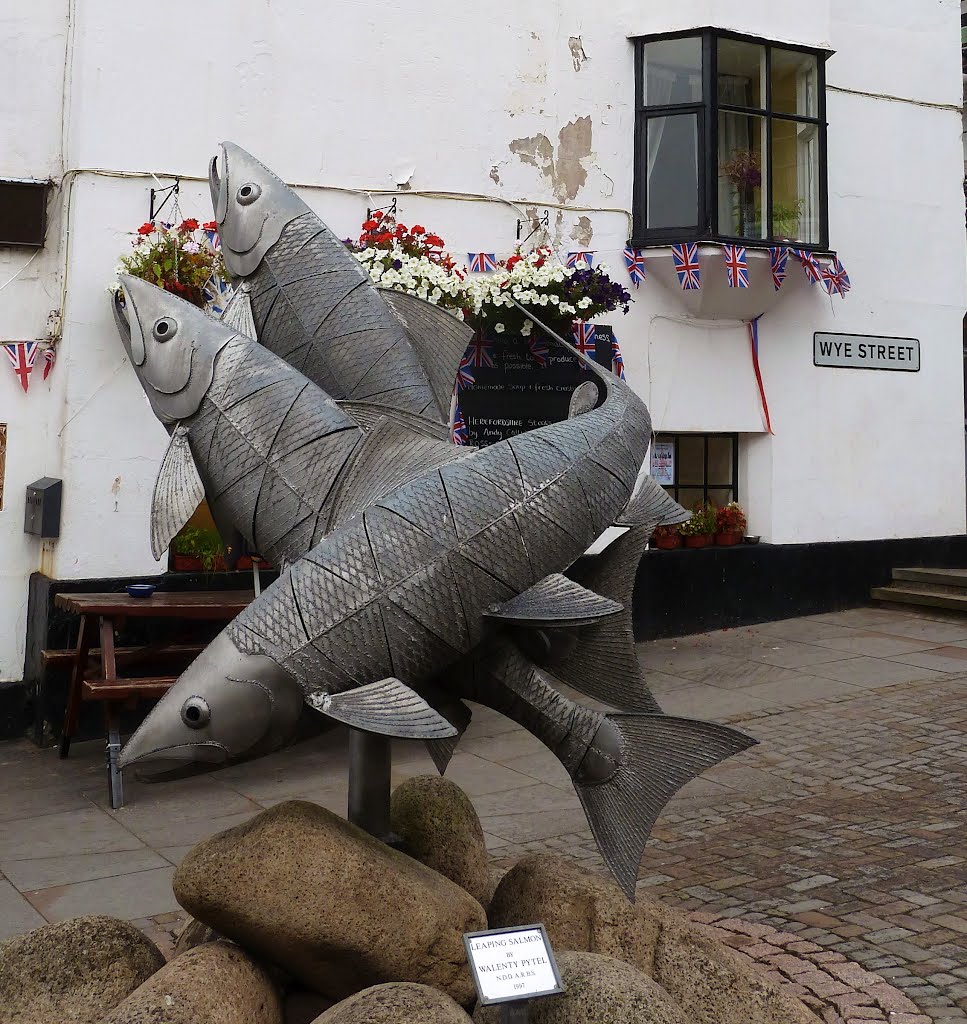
<point x="754" y="347"/>
<point x="464" y="374"/>
<point x="736" y="265"/>
<point x="212" y="235"/>
<point x="458" y="433"/>
<point x="635" y="262"/>
<point x="687" y="266"/>
<point x="539" y="350"/>
<point x="479" y="354"/>
<point x="810" y="265"/>
<point x="574" y="258"/>
<point x="779" y="257"/>
<point x="617" y="362"/>
<point x="835" y="278"/>
<point x="482" y="262"/>
<point x="584" y="338"/>
<point x="50" y="357"/>
<point x="217" y="293"/>
<point x="22" y="356"/>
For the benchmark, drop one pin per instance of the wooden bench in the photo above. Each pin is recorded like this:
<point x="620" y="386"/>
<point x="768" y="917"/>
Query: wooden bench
<point x="94" y="670"/>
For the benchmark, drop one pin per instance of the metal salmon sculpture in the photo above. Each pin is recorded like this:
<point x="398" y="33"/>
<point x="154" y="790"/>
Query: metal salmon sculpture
<point x="426" y="588"/>
<point x="313" y="304"/>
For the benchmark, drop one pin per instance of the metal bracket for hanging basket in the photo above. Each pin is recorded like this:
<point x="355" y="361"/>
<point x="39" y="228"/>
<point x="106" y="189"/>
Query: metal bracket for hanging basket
<point x="167" y="193"/>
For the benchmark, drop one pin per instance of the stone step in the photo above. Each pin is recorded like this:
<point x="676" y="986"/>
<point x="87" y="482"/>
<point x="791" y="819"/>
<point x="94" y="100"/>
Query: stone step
<point x="923" y="594"/>
<point x="945" y="577"/>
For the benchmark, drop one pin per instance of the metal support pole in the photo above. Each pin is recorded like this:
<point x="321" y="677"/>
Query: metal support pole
<point x="370" y="760"/>
<point x="513" y="1013"/>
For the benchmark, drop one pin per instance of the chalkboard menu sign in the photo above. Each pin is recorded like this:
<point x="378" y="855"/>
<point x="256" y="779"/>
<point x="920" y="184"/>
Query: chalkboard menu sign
<point x="509" y="385"/>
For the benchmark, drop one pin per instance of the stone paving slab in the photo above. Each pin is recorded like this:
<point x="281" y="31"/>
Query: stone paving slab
<point x="843" y="831"/>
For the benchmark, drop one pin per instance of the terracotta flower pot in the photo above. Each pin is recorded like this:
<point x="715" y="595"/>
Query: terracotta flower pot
<point x="700" y="540"/>
<point x="728" y="537"/>
<point x="669" y="543"/>
<point x="185" y="563"/>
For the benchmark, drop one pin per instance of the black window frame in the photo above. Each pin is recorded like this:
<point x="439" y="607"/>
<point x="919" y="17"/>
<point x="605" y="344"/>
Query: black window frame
<point x="708" y="118"/>
<point x="675" y="488"/>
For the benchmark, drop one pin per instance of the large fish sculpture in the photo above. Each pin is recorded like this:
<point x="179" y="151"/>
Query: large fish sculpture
<point x="421" y="588"/>
<point x="314" y="304"/>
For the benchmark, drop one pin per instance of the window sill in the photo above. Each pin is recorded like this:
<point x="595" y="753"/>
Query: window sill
<point x="715" y="300"/>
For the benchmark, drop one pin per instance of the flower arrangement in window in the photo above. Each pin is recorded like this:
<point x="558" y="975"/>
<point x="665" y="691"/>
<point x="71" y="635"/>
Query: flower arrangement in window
<point x="730" y="524"/>
<point x="744" y="172"/>
<point x="182" y="259"/>
<point x="409" y="260"/>
<point x="699" y="531"/>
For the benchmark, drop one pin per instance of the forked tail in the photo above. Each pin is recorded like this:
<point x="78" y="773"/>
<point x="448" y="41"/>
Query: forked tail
<point x="658" y="755"/>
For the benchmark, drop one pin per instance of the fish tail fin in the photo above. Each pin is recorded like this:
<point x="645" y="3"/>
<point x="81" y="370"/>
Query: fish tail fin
<point x="656" y="755"/>
<point x="441" y="751"/>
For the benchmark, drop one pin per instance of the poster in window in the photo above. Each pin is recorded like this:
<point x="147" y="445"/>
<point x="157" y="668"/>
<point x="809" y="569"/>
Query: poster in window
<point x="663" y="462"/>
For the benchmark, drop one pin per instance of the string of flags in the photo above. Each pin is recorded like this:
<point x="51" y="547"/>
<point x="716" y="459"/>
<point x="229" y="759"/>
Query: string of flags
<point x="23" y="356"/>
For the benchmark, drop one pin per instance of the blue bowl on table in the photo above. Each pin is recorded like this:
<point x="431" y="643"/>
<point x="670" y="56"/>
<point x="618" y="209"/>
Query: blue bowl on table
<point x="140" y="589"/>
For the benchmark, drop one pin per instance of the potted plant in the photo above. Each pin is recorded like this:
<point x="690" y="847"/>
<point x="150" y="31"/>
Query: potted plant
<point x="668" y="537"/>
<point x="744" y="172"/>
<point x="699" y="531"/>
<point x="196" y="549"/>
<point x="730" y="524"/>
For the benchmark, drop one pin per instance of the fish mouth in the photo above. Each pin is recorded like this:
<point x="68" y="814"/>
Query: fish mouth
<point x="219" y="186"/>
<point x="162" y="761"/>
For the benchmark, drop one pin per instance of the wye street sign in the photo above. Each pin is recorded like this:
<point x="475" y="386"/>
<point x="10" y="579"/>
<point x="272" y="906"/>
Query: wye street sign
<point x="866" y="352"/>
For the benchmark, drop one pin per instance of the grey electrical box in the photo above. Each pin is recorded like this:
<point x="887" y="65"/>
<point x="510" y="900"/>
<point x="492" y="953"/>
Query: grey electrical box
<point x="42" y="518"/>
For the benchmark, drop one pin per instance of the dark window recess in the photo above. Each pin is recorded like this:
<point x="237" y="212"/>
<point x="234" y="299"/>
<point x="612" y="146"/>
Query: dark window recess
<point x="730" y="141"/>
<point x="23" y="212"/>
<point x="705" y="468"/>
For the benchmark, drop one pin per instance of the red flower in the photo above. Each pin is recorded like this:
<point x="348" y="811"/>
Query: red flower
<point x="210" y="225"/>
<point x="434" y="240"/>
<point x="400" y="230"/>
<point x="513" y="261"/>
<point x="378" y="215"/>
<point x="384" y="236"/>
<point x="370" y="225"/>
<point x="190" y="224"/>
<point x="146" y="228"/>
<point x="418" y="229"/>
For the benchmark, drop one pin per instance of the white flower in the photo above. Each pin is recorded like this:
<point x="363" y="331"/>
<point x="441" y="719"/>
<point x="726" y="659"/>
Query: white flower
<point x="584" y="303"/>
<point x="191" y="247"/>
<point x="499" y="328"/>
<point x="527" y="328"/>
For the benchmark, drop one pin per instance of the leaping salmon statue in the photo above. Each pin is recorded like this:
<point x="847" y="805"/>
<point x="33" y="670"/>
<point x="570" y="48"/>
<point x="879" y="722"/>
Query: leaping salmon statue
<point x="435" y="578"/>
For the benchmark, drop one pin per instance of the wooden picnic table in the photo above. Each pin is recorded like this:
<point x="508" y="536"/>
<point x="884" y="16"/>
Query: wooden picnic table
<point x="100" y="615"/>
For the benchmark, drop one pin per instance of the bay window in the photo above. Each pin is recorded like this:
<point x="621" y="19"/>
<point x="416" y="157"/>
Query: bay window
<point x="730" y="141"/>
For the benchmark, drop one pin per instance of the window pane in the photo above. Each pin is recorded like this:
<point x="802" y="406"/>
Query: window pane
<point x="671" y="155"/>
<point x="691" y="461"/>
<point x="795" y="181"/>
<point x="672" y="71"/>
<point x="720" y="496"/>
<point x="741" y="175"/>
<point x="720" y="460"/>
<point x="741" y="73"/>
<point x="794" y="83"/>
<point x="690" y="497"/>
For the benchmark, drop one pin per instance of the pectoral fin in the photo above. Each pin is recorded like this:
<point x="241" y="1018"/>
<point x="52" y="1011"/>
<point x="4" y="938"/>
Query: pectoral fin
<point x="583" y="399"/>
<point x="178" y="491"/>
<point x="388" y="707"/>
<point x="555" y="601"/>
<point x="369" y="414"/>
<point x="650" y="506"/>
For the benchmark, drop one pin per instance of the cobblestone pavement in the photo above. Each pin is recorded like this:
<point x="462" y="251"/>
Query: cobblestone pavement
<point x="844" y="833"/>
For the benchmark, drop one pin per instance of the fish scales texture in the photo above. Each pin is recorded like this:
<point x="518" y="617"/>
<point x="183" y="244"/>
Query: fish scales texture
<point x="315" y="306"/>
<point x="378" y="634"/>
<point x="272" y="447"/>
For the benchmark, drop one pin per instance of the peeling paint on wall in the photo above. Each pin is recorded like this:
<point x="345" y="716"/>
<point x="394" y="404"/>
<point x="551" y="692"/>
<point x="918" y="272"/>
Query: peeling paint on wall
<point x="583" y="231"/>
<point x="495" y="174"/>
<point x="578" y="56"/>
<point x="564" y="171"/>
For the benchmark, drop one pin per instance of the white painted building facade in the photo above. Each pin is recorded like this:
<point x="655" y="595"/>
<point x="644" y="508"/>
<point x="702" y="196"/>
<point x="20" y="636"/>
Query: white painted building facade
<point x="471" y="108"/>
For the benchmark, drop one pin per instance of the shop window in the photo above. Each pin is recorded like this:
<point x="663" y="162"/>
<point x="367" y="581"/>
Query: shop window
<point x="696" y="468"/>
<point x="730" y="141"/>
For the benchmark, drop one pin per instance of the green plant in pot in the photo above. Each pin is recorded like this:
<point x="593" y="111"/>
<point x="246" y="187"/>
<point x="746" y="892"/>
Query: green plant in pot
<point x="196" y="548"/>
<point x="730" y="524"/>
<point x="699" y="531"/>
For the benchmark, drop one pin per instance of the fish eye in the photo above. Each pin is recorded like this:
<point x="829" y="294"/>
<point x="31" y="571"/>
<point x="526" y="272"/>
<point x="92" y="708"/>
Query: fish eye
<point x="248" y="193"/>
<point x="165" y="329"/>
<point x="196" y="713"/>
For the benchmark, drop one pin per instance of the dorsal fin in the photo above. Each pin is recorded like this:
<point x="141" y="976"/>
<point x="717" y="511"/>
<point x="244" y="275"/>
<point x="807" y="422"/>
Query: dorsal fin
<point x="555" y="601"/>
<point x="368" y="415"/>
<point x="651" y="506"/>
<point x="439" y="340"/>
<point x="389" y="457"/>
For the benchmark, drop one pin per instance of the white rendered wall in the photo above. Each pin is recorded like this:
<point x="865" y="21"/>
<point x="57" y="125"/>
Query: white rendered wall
<point x="356" y="96"/>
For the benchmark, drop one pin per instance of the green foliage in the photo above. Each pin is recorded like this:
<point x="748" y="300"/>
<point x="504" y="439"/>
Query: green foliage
<point x="197" y="542"/>
<point x="703" y="521"/>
